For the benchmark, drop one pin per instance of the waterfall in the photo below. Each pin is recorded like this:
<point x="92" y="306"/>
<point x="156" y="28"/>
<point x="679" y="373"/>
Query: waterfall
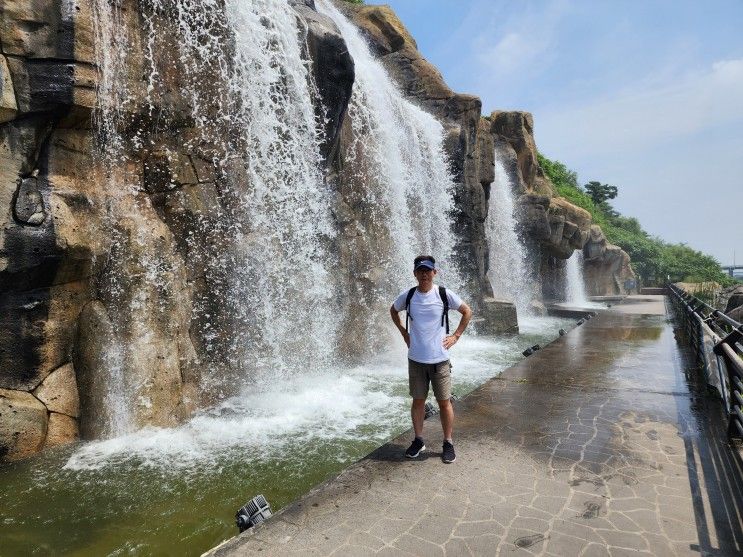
<point x="258" y="257"/>
<point x="397" y="160"/>
<point x="575" y="288"/>
<point x="275" y="312"/>
<point x="508" y="271"/>
<point x="260" y="251"/>
<point x="284" y="263"/>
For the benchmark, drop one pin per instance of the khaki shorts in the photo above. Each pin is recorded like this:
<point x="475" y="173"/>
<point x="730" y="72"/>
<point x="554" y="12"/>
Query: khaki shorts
<point x="439" y="375"/>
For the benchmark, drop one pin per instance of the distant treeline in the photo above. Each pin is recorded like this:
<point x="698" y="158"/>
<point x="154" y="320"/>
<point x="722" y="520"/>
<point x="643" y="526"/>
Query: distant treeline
<point x="652" y="259"/>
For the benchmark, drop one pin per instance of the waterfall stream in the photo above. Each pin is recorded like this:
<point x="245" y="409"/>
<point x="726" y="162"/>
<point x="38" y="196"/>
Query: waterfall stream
<point x="508" y="270"/>
<point x="398" y="160"/>
<point x="575" y="287"/>
<point x="268" y="252"/>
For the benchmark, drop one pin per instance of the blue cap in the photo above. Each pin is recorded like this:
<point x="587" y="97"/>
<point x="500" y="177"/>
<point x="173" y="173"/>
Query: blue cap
<point x="425" y="263"/>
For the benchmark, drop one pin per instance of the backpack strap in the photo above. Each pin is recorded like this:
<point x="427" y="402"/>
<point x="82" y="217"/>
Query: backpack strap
<point x="445" y="315"/>
<point x="407" y="305"/>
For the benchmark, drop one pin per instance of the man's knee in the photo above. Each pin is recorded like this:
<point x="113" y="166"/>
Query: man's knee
<point x="418" y="402"/>
<point x="443" y="404"/>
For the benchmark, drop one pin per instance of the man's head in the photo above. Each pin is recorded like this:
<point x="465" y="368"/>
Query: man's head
<point x="424" y="269"/>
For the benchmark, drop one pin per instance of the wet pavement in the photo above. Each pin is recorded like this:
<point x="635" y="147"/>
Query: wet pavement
<point x="602" y="443"/>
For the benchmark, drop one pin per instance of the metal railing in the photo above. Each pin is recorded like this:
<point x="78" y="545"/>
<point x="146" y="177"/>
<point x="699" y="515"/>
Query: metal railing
<point x="717" y="342"/>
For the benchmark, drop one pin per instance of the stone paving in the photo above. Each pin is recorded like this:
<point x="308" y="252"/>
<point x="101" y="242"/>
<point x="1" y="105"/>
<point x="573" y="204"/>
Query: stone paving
<point x="602" y="443"/>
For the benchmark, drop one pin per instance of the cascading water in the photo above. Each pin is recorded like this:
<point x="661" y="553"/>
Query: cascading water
<point x="268" y="254"/>
<point x="264" y="248"/>
<point x="575" y="287"/>
<point x="508" y="270"/>
<point x="398" y="161"/>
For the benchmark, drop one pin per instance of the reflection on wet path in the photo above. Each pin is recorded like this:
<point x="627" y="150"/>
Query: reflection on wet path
<point x="602" y="443"/>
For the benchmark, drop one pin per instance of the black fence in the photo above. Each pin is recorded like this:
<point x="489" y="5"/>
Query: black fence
<point x="717" y="341"/>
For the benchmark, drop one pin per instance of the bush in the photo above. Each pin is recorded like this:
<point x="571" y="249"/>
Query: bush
<point x="653" y="260"/>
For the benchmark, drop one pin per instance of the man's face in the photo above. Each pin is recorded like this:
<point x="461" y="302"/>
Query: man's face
<point x="424" y="276"/>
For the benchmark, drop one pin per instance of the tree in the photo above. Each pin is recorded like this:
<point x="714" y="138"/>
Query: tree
<point x="600" y="192"/>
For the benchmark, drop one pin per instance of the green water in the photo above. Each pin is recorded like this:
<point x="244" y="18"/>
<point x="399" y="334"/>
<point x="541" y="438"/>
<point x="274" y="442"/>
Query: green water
<point x="147" y="495"/>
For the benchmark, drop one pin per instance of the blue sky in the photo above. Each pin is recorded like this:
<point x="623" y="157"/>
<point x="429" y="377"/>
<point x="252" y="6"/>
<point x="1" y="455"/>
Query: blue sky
<point x="647" y="96"/>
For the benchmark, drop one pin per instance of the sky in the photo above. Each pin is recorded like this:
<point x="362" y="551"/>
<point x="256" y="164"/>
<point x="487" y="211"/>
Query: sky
<point x="643" y="95"/>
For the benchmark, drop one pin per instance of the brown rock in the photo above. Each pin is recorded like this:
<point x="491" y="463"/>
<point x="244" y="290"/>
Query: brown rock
<point x="94" y="336"/>
<point x="334" y="74"/>
<point x="518" y="129"/>
<point x="36" y="332"/>
<point x="62" y="430"/>
<point x="596" y="244"/>
<point x="52" y="30"/>
<point x="531" y="210"/>
<point x="8" y="105"/>
<point x="29" y="204"/>
<point x="59" y="392"/>
<point x="605" y="274"/>
<point x="420" y="78"/>
<point x="23" y="424"/>
<point x="383" y="29"/>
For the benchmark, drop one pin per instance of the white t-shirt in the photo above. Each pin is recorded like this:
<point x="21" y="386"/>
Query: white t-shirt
<point x="425" y="328"/>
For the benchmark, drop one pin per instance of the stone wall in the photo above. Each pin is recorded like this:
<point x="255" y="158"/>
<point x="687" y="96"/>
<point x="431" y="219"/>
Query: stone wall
<point x="48" y="203"/>
<point x="82" y="232"/>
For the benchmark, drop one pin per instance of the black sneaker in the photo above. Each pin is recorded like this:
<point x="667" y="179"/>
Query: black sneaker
<point x="447" y="454"/>
<point x="415" y="448"/>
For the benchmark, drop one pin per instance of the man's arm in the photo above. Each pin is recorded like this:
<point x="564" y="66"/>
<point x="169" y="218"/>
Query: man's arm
<point x="452" y="339"/>
<point x="398" y="323"/>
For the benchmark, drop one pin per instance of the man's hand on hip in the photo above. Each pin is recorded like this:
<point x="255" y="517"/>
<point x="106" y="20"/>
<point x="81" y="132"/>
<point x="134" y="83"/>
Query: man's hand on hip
<point x="450" y="340"/>
<point x="406" y="337"/>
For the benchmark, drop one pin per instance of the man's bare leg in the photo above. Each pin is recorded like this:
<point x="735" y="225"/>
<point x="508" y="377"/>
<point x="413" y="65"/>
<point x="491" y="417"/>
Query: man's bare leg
<point x="446" y="410"/>
<point x="418" y="414"/>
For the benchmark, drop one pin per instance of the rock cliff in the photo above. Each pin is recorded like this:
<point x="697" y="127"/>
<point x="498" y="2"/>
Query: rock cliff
<point x="554" y="227"/>
<point x="115" y="208"/>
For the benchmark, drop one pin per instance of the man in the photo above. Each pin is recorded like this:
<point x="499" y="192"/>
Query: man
<point x="428" y="350"/>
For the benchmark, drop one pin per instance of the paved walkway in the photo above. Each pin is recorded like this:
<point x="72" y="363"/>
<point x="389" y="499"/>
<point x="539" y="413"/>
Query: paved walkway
<point x="601" y="443"/>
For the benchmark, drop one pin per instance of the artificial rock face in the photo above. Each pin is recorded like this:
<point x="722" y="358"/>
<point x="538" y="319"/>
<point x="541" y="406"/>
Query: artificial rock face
<point x="115" y="207"/>
<point x="552" y="227"/>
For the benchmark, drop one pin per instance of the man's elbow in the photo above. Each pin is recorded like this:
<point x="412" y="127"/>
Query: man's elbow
<point x="465" y="310"/>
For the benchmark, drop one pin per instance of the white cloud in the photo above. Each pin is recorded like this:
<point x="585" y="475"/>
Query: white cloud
<point x="517" y="45"/>
<point x="648" y="113"/>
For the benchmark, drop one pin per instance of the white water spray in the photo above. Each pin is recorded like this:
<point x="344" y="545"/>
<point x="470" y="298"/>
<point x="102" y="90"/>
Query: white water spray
<point x="575" y="287"/>
<point x="508" y="271"/>
<point x="398" y="157"/>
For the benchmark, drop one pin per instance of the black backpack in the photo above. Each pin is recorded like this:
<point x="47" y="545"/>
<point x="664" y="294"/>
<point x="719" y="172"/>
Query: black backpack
<point x="444" y="315"/>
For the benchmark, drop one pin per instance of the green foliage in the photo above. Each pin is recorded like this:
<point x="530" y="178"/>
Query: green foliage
<point x="354" y="1"/>
<point x="652" y="259"/>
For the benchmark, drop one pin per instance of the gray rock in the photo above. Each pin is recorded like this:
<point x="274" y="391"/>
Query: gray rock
<point x="735" y="300"/>
<point x="334" y="73"/>
<point x="29" y="204"/>
<point x="498" y="316"/>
